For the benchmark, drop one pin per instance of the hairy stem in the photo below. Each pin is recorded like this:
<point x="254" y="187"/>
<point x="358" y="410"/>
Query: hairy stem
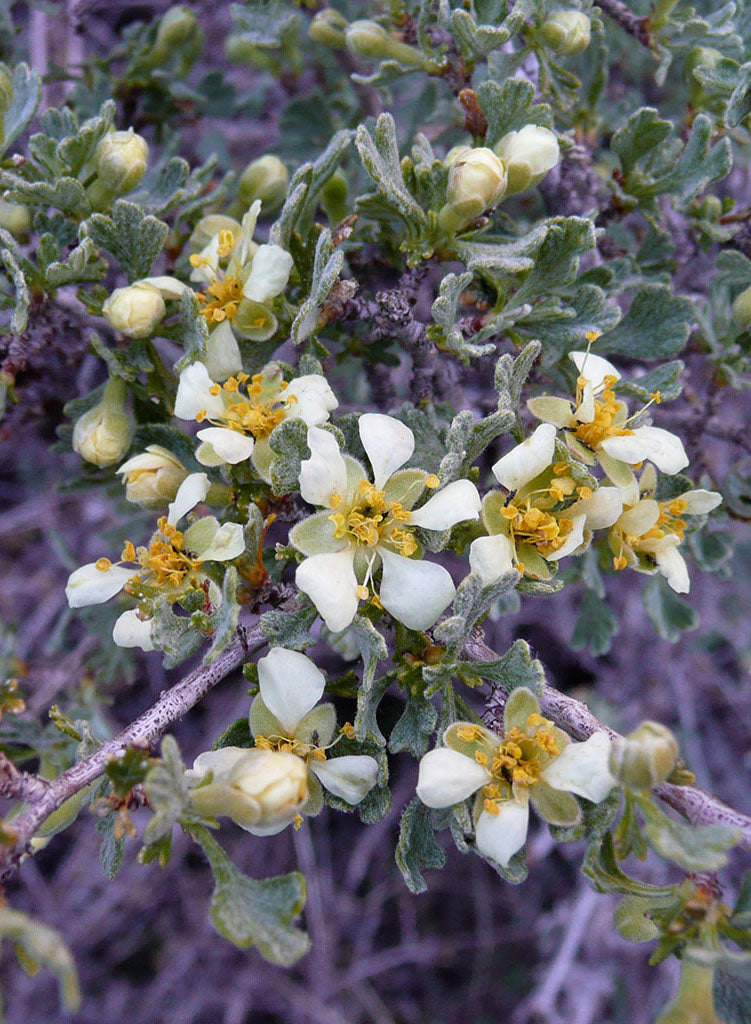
<point x="619" y="12"/>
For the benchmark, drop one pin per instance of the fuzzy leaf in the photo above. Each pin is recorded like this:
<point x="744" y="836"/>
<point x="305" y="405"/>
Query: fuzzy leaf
<point x="656" y="326"/>
<point x="417" y="847"/>
<point x="134" y="238"/>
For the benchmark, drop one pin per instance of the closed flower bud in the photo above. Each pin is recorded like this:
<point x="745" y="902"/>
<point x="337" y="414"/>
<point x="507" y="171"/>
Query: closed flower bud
<point x="135" y="310"/>
<point x="742" y="310"/>
<point x="644" y="758"/>
<point x="265" y="179"/>
<point x="120" y="161"/>
<point x="369" y="39"/>
<point x="261" y="790"/>
<point x="477" y="181"/>
<point x="528" y="155"/>
<point x="15" y="217"/>
<point x="176" y="28"/>
<point x="567" y="32"/>
<point x="153" y="477"/>
<point x="103" y="434"/>
<point x="329" y="27"/>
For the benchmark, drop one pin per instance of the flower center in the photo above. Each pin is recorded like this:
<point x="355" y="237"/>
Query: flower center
<point x="249" y="407"/>
<point x="307" y="751"/>
<point x="668" y="522"/>
<point x="606" y="409"/>
<point x="220" y="300"/>
<point x="373" y="520"/>
<point x="163" y="562"/>
<point x="528" y="523"/>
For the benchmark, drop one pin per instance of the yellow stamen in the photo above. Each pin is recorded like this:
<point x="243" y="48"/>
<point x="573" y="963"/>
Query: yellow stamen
<point x="103" y="564"/>
<point x="432" y="481"/>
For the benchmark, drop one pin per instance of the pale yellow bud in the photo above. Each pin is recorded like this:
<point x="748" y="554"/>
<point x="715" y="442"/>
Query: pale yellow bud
<point x="644" y="758"/>
<point x="265" y="179"/>
<point x="261" y="790"/>
<point x="477" y="181"/>
<point x="742" y="310"/>
<point x="329" y="27"/>
<point x="120" y="161"/>
<point x="369" y="39"/>
<point x="135" y="310"/>
<point x="15" y="217"/>
<point x="567" y="32"/>
<point x="176" y="28"/>
<point x="528" y="155"/>
<point x="152" y="478"/>
<point x="103" y="434"/>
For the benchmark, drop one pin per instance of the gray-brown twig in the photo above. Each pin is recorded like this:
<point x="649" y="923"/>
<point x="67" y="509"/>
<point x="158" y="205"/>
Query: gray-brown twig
<point x="619" y="12"/>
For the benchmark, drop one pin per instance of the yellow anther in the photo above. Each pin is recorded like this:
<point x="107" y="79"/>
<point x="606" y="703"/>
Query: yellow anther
<point x="362" y="593"/>
<point x="319" y="754"/>
<point x="584" y="492"/>
<point x="592" y="336"/>
<point x="481" y="757"/>
<point x="677" y="507"/>
<point x="519" y="566"/>
<point x="432" y="481"/>
<point x="297" y="822"/>
<point x="620" y="562"/>
<point x="215" y="389"/>
<point x="655" y="396"/>
<point x="556" y="492"/>
<point x="335" y="499"/>
<point x="349" y="730"/>
<point x="200" y="416"/>
<point x="128" y="553"/>
<point x="226" y="244"/>
<point x="103" y="564"/>
<point x="560" y="469"/>
<point x="491" y="806"/>
<point x="196" y="260"/>
<point x="510" y="512"/>
<point x="468" y="733"/>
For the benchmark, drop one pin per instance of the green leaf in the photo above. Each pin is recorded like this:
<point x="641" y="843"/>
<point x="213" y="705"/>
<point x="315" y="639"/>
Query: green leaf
<point x="669" y="613"/>
<point x="601" y="868"/>
<point x="472" y="602"/>
<point x="236" y="735"/>
<point x="134" y="238"/>
<point x="415" y="727"/>
<point x="511" y="375"/>
<point x="289" y="443"/>
<point x="417" y="847"/>
<point x="264" y="23"/>
<point x="304" y="188"/>
<point x="380" y="158"/>
<point x="256" y="912"/>
<point x="225" y="618"/>
<point x="557" y="262"/>
<point x="561" y="329"/>
<point x="733" y="269"/>
<point x="20" y="319"/>
<point x="692" y="847"/>
<point x="644" y="131"/>
<point x="657" y="326"/>
<point x="326" y="270"/>
<point x="167" y="790"/>
<point x="66" y="194"/>
<point x="174" y="635"/>
<point x="373" y="649"/>
<point x="475" y="40"/>
<point x="445" y="333"/>
<point x="596" y="625"/>
<point x="26" y="88"/>
<point x="289" y="629"/>
<point x="82" y="264"/>
<point x="191" y="330"/>
<point x="665" y="379"/>
<point x="37" y="945"/>
<point x="732" y="997"/>
<point x="111" y="848"/>
<point x="467" y="439"/>
<point x="509" y="107"/>
<point x="516" y="668"/>
<point x="698" y="164"/>
<point x="632" y="919"/>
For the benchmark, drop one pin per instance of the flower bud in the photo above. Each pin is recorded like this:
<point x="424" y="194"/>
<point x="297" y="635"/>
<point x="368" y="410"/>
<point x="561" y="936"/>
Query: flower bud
<point x="135" y="310"/>
<point x="261" y="790"/>
<point x="120" y="161"/>
<point x="567" y="32"/>
<point x="644" y="758"/>
<point x="265" y="179"/>
<point x="477" y="182"/>
<point x="15" y="217"/>
<point x="176" y="28"/>
<point x="528" y="155"/>
<point x="329" y="27"/>
<point x="742" y="310"/>
<point x="153" y="477"/>
<point x="102" y="435"/>
<point x="369" y="39"/>
<point x="694" y="1003"/>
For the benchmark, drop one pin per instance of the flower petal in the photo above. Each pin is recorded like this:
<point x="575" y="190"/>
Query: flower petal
<point x="697" y="502"/>
<point x="527" y="459"/>
<point x="130" y="631"/>
<point x="291" y="685"/>
<point x="230" y="445"/>
<point x="191" y="491"/>
<point x="227" y="543"/>
<point x="350" y="778"/>
<point x="672" y="566"/>
<point x="601" y="510"/>
<point x="500" y="836"/>
<point x="222" y="357"/>
<point x="574" y="540"/>
<point x="329" y="581"/>
<point x="194" y="396"/>
<point x="413" y="591"/>
<point x="639" y="519"/>
<point x="89" y="585"/>
<point x="269" y="273"/>
<point x="315" y="535"/>
<point x="582" y="768"/>
<point x="314" y="399"/>
<point x="388" y="442"/>
<point x="454" y="503"/>
<point x="659" y="446"/>
<point x="447" y="777"/>
<point x="593" y="368"/>
<point x="491" y="557"/>
<point x="324" y="474"/>
<point x="551" y="410"/>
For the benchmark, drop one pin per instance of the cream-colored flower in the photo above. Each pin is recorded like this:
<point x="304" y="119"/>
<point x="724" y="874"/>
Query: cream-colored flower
<point x="567" y="32"/>
<point x="367" y="524"/>
<point x="294" y="733"/>
<point x="152" y="478"/>
<point x="170" y="565"/>
<point x="533" y="761"/>
<point x="244" y="411"/>
<point x="120" y="160"/>
<point x="139" y="308"/>
<point x="596" y="427"/>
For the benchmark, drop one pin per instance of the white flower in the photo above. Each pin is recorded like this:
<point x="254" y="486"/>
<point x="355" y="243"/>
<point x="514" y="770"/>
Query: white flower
<point x="171" y="563"/>
<point x="529" y="155"/>
<point x="596" y="426"/>
<point x="103" y="434"/>
<point x="267" y="788"/>
<point x="476" y="182"/>
<point x="137" y="309"/>
<point x="245" y="410"/>
<point x="365" y="524"/>
<point x="533" y="761"/>
<point x="153" y="477"/>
